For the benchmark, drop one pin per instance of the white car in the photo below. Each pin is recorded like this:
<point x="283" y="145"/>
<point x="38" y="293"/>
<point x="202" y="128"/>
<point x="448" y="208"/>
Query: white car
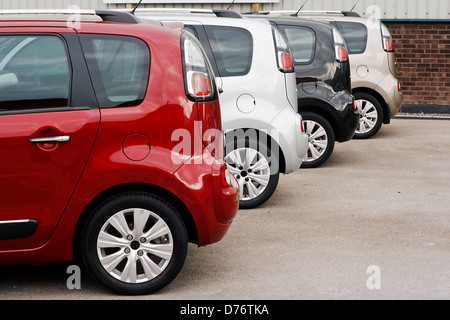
<point x="253" y="65"/>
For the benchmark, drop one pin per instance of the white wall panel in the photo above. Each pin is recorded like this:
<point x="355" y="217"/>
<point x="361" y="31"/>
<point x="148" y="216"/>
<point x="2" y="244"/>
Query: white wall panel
<point x="51" y="4"/>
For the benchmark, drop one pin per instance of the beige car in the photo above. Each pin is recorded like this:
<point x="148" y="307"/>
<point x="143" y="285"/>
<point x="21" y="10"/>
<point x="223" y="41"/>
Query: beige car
<point x="372" y="59"/>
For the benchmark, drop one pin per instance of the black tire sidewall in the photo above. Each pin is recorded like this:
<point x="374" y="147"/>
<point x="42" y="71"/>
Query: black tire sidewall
<point x="134" y="200"/>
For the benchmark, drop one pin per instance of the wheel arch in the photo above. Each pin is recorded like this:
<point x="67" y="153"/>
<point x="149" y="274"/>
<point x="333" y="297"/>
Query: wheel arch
<point x="321" y="108"/>
<point x="379" y="97"/>
<point x="282" y="161"/>
<point x="134" y="187"/>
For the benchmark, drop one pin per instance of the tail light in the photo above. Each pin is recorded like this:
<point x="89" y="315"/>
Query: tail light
<point x="200" y="87"/>
<point x="286" y="61"/>
<point x="340" y="47"/>
<point x="399" y="87"/>
<point x="198" y="75"/>
<point x="284" y="55"/>
<point x="228" y="178"/>
<point x="354" y="105"/>
<point x="225" y="193"/>
<point x="388" y="44"/>
<point x="302" y="126"/>
<point x="200" y="84"/>
<point x="341" y="54"/>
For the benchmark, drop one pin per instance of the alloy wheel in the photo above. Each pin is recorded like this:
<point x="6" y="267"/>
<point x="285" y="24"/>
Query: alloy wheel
<point x="252" y="171"/>
<point x="135" y="245"/>
<point x="368" y="116"/>
<point x="318" y="140"/>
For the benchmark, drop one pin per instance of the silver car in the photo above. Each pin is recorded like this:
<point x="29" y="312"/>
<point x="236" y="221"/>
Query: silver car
<point x="254" y="71"/>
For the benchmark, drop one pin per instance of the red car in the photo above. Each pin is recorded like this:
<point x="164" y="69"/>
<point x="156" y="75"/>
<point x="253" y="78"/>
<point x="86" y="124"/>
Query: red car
<point x="96" y="160"/>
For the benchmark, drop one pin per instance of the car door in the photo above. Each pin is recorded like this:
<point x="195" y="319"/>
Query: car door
<point x="48" y="124"/>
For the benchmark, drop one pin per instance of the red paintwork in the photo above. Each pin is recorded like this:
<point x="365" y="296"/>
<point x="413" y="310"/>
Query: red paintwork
<point x="55" y="183"/>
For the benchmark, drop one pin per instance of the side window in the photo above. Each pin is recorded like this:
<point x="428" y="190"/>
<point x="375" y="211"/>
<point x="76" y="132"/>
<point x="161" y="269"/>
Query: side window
<point x="355" y="35"/>
<point x="119" y="67"/>
<point x="232" y="48"/>
<point x="302" y="41"/>
<point x="34" y="73"/>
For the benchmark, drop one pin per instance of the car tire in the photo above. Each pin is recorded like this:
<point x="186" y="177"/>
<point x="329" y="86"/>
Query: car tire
<point x="255" y="167"/>
<point x="321" y="139"/>
<point x="134" y="243"/>
<point x="370" y="113"/>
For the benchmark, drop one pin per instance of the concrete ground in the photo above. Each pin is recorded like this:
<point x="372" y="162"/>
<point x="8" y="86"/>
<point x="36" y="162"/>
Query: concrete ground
<point x="372" y="223"/>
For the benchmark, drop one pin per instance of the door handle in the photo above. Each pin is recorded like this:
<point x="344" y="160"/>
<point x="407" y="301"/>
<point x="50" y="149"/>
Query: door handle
<point x="56" y="139"/>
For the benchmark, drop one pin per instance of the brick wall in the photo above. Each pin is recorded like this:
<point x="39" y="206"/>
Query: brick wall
<point x="423" y="61"/>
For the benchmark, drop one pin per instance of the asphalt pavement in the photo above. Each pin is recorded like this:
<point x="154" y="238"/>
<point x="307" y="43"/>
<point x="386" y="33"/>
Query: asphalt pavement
<point x="373" y="222"/>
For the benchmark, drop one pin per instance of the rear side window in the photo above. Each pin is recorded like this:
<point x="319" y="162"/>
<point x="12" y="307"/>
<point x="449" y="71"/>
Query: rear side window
<point x="119" y="67"/>
<point x="232" y="48"/>
<point x="34" y="73"/>
<point x="302" y="41"/>
<point x="355" y="35"/>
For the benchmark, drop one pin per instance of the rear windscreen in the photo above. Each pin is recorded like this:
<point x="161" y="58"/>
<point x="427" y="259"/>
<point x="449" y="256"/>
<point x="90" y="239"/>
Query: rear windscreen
<point x="302" y="41"/>
<point x="232" y="48"/>
<point x="355" y="35"/>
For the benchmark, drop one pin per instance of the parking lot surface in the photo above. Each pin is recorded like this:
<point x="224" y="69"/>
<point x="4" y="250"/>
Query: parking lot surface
<point x="371" y="223"/>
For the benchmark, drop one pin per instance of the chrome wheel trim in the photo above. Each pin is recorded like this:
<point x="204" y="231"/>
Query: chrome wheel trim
<point x="134" y="245"/>
<point x="318" y="140"/>
<point x="368" y="115"/>
<point x="252" y="171"/>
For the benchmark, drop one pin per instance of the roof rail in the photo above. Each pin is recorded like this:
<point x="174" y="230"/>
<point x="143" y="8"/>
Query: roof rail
<point x="117" y="16"/>
<point x="227" y="13"/>
<point x="170" y="10"/>
<point x="304" y="12"/>
<point x="264" y="13"/>
<point x="280" y="12"/>
<point x="105" y="15"/>
<point x="257" y="13"/>
<point x="350" y="14"/>
<point x="217" y="12"/>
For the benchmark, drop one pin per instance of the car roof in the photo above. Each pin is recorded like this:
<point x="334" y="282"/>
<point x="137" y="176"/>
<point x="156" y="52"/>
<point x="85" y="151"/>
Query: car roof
<point x="205" y="16"/>
<point x="103" y="15"/>
<point x="331" y="17"/>
<point x="244" y="23"/>
<point x="105" y="21"/>
<point x="296" y="13"/>
<point x="293" y="20"/>
<point x="316" y="15"/>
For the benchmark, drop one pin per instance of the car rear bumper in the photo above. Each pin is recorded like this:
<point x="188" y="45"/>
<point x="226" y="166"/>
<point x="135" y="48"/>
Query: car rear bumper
<point x="348" y="121"/>
<point x="286" y="127"/>
<point x="211" y="204"/>
<point x="389" y="89"/>
<point x="346" y="118"/>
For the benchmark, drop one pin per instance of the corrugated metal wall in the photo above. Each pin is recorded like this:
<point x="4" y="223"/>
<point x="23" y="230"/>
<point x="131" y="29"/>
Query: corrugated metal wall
<point x="51" y="4"/>
<point x="388" y="9"/>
